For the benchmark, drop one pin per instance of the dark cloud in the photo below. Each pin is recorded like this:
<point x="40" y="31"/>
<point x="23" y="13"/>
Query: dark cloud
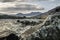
<point x="23" y="7"/>
<point x="24" y="0"/>
<point x="7" y="0"/>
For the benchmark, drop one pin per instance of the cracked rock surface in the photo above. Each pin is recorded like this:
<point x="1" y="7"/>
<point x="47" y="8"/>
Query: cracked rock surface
<point x="49" y="31"/>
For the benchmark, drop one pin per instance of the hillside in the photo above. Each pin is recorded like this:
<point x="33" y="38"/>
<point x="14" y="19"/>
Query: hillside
<point x="5" y="16"/>
<point x="50" y="12"/>
<point x="49" y="31"/>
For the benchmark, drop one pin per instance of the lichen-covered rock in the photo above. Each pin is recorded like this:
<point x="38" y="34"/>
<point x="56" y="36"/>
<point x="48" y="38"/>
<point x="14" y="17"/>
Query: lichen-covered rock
<point x="8" y="26"/>
<point x="49" y="31"/>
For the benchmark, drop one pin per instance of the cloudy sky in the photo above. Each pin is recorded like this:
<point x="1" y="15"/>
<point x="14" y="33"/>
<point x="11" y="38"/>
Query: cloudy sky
<point x="26" y="6"/>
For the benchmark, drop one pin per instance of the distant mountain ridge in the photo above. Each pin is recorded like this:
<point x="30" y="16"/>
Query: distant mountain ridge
<point x="32" y="14"/>
<point x="29" y="14"/>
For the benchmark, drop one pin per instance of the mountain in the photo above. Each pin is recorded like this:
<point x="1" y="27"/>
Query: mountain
<point x="54" y="11"/>
<point x="32" y="14"/>
<point x="19" y="15"/>
<point x="50" y="12"/>
<point x="29" y="14"/>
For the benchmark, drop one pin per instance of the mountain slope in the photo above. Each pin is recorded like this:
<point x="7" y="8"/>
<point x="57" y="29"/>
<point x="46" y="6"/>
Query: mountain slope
<point x="50" y="12"/>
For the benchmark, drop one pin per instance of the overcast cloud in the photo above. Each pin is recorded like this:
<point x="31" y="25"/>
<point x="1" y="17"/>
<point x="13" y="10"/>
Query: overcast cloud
<point x="24" y="0"/>
<point x="22" y="7"/>
<point x="15" y="6"/>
